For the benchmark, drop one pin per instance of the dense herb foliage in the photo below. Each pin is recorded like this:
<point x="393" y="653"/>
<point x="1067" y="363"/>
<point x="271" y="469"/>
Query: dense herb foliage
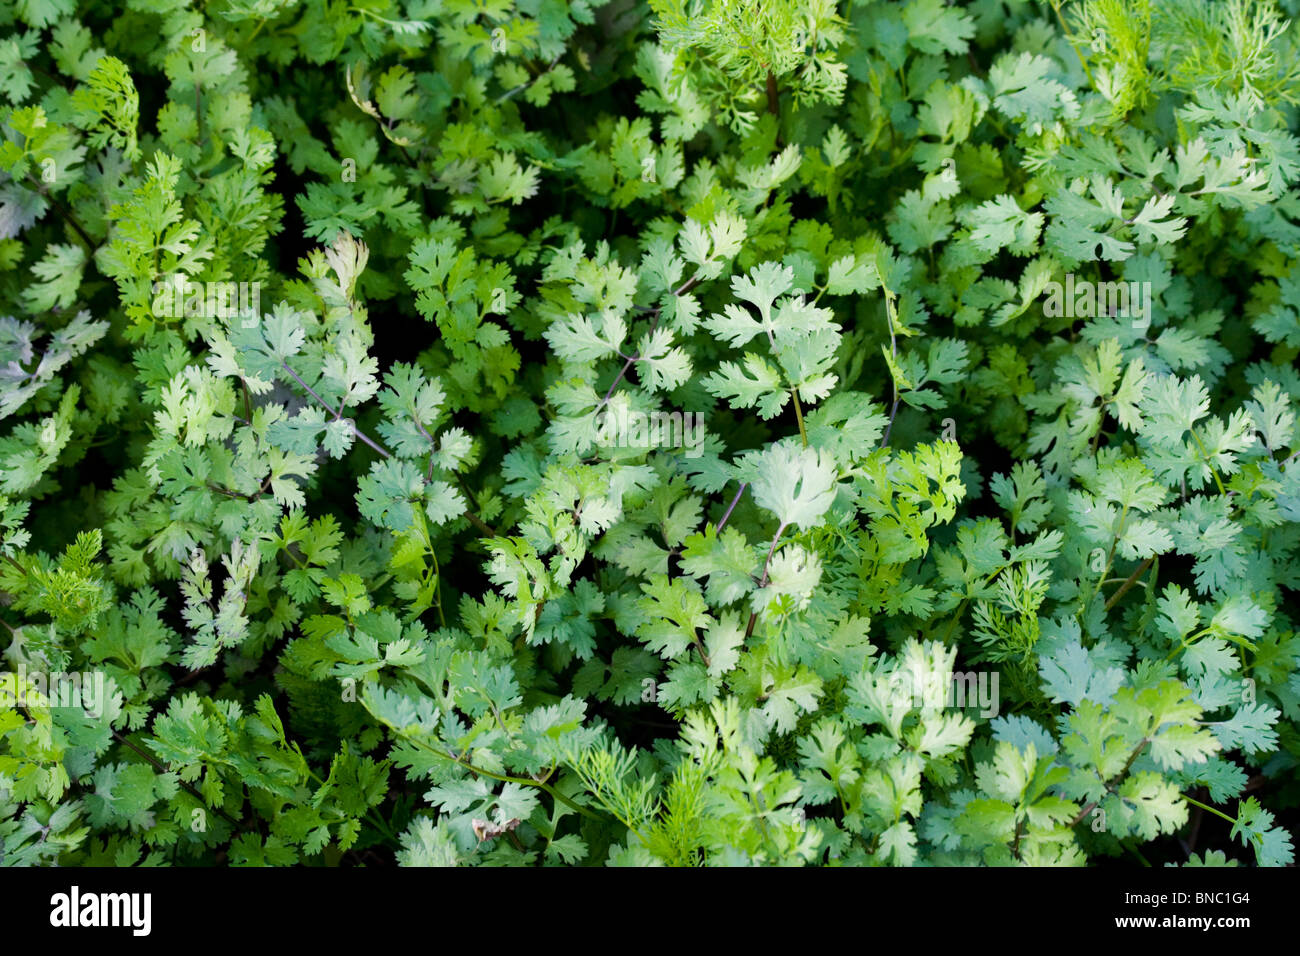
<point x="716" y="432"/>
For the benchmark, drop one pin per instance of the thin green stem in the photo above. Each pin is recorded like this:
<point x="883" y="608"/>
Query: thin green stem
<point x="1209" y="809"/>
<point x="1206" y="456"/>
<point x="1187" y="642"/>
<point x="252" y="36"/>
<point x="1137" y="853"/>
<point x="1069" y="35"/>
<point x="891" y="313"/>
<point x="732" y="507"/>
<point x="1129" y="582"/>
<point x="473" y="518"/>
<point x="67" y="215"/>
<point x="188" y="789"/>
<point x="798" y="416"/>
<point x="749" y="628"/>
<point x="505" y="778"/>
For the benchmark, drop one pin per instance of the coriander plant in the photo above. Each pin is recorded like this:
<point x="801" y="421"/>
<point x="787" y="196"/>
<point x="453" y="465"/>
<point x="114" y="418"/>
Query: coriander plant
<point x="702" y="432"/>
